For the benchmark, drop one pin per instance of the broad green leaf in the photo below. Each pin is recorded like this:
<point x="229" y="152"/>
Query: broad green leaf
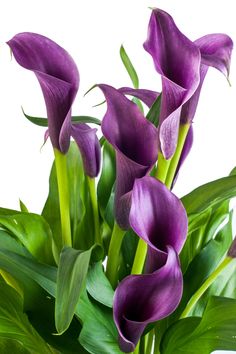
<point x="203" y="265"/>
<point x="128" y="250"/>
<point x="98" y="286"/>
<point x="14" y="323"/>
<point x="107" y="178"/>
<point x="154" y="112"/>
<point x="32" y="231"/>
<point x="214" y="331"/>
<point x="98" y="334"/>
<point x="129" y="67"/>
<point x="210" y="194"/>
<point x="12" y="346"/>
<point x="32" y="292"/>
<point x="202" y="228"/>
<point x="43" y="122"/>
<point x="71" y="275"/>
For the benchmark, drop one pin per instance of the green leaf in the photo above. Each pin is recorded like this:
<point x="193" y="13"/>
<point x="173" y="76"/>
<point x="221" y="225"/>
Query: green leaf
<point x="128" y="250"/>
<point x="98" y="334"/>
<point x="12" y="346"/>
<point x="32" y="231"/>
<point x="203" y="265"/>
<point x="214" y="331"/>
<point x="107" y="178"/>
<point x="202" y="228"/>
<point x="43" y="122"/>
<point x="210" y="194"/>
<point x="129" y="67"/>
<point x="17" y="264"/>
<point x="154" y="112"/>
<point x="72" y="271"/>
<point x="14" y="323"/>
<point x="32" y="292"/>
<point x="98" y="286"/>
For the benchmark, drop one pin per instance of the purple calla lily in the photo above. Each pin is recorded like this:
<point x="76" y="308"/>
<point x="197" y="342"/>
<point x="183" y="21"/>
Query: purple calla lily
<point x="142" y="299"/>
<point x="135" y="141"/>
<point x="215" y="51"/>
<point x="159" y="218"/>
<point x="177" y="59"/>
<point x="58" y="77"/>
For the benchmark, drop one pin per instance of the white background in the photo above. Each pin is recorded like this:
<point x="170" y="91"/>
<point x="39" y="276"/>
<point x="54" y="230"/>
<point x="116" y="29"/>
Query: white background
<point x="92" y="31"/>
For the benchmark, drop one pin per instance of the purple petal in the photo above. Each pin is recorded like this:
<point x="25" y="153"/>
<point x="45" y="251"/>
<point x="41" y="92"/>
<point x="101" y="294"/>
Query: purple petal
<point x="147" y="96"/>
<point x="232" y="250"/>
<point x="157" y="215"/>
<point x="89" y="147"/>
<point x="142" y="299"/>
<point x="215" y="51"/>
<point x="177" y="59"/>
<point x="58" y="77"/>
<point x="135" y="141"/>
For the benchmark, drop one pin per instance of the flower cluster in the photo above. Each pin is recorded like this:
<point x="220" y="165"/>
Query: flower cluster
<point x="144" y="159"/>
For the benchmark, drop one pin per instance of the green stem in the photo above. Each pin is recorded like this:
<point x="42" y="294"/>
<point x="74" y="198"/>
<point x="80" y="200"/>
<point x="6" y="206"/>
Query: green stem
<point x="136" y="350"/>
<point x="93" y="196"/>
<point x="139" y="258"/>
<point x="162" y="168"/>
<point x="183" y="131"/>
<point x="150" y="342"/>
<point x="63" y="189"/>
<point x="114" y="254"/>
<point x="194" y="299"/>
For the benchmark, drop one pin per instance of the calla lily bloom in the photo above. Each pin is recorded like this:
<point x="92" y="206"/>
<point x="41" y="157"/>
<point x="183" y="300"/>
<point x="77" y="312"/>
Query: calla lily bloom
<point x="159" y="218"/>
<point x="215" y="51"/>
<point x="183" y="65"/>
<point x="142" y="299"/>
<point x="177" y="60"/>
<point x="134" y="139"/>
<point x="58" y="77"/>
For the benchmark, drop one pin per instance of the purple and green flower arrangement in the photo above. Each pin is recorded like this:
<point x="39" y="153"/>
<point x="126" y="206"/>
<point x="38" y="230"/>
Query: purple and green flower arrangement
<point x="116" y="262"/>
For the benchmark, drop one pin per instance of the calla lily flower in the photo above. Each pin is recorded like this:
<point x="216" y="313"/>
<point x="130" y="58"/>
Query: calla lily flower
<point x="58" y="77"/>
<point x="215" y="51"/>
<point x="134" y="139"/>
<point x="142" y="299"/>
<point x="159" y="218"/>
<point x="183" y="65"/>
<point x="177" y="60"/>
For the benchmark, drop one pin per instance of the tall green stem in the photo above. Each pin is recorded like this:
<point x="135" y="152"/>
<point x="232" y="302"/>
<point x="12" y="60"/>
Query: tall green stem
<point x="139" y="258"/>
<point x="162" y="168"/>
<point x="150" y="337"/>
<point x="194" y="299"/>
<point x="114" y="254"/>
<point x="93" y="196"/>
<point x="63" y="189"/>
<point x="183" y="131"/>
